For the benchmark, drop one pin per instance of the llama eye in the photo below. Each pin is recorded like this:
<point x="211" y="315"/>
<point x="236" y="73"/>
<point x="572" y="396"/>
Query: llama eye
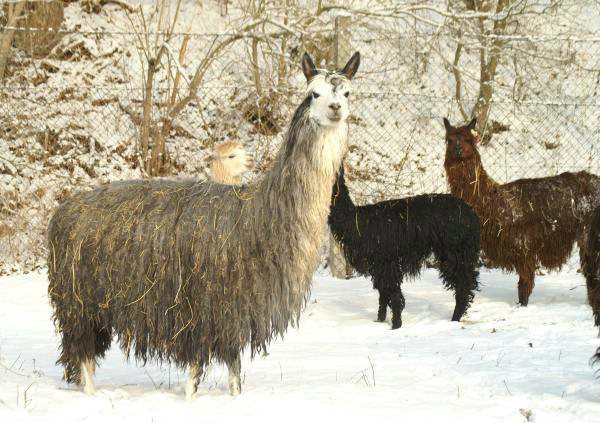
<point x="347" y="94"/>
<point x="232" y="156"/>
<point x="315" y="95"/>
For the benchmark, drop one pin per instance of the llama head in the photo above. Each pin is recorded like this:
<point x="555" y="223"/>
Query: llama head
<point x="231" y="158"/>
<point x="461" y="142"/>
<point x="329" y="91"/>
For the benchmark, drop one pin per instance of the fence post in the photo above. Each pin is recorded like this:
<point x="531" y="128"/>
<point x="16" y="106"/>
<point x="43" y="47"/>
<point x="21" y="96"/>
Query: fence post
<point x="342" y="48"/>
<point x="342" y="44"/>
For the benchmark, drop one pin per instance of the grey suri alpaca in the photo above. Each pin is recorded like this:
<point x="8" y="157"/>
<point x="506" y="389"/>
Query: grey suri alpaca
<point x="192" y="272"/>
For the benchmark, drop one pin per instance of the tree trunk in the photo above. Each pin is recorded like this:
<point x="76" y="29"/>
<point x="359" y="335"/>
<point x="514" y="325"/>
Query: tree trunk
<point x="487" y="74"/>
<point x="14" y="11"/>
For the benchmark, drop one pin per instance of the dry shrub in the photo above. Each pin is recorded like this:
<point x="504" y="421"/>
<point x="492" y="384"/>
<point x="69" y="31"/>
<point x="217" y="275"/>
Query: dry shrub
<point x="50" y="142"/>
<point x="264" y="113"/>
<point x="6" y="230"/>
<point x="493" y="127"/>
<point x="45" y="18"/>
<point x="74" y="50"/>
<point x="320" y="46"/>
<point x="11" y="201"/>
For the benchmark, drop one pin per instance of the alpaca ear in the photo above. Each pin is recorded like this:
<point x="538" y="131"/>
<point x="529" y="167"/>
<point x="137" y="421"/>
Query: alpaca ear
<point x="308" y="67"/>
<point x="352" y="66"/>
<point x="471" y="124"/>
<point x="447" y="124"/>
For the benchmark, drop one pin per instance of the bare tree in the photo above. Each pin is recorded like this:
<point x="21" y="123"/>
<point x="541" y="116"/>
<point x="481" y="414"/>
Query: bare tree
<point x="485" y="36"/>
<point x="156" y="33"/>
<point x="14" y="11"/>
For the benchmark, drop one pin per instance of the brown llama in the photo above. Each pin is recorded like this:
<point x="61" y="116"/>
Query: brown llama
<point x="525" y="224"/>
<point x="228" y="162"/>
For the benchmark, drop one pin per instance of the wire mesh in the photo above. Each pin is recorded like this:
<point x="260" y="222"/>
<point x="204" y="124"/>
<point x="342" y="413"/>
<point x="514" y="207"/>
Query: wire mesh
<point x="71" y="120"/>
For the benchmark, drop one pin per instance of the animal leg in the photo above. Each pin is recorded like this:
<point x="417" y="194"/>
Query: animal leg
<point x="388" y="284"/>
<point x="397" y="305"/>
<point x="102" y="341"/>
<point x="88" y="368"/>
<point x="263" y="349"/>
<point x="384" y="300"/>
<point x="80" y="344"/>
<point x="526" y="284"/>
<point x="593" y="293"/>
<point x="103" y="338"/>
<point x="462" y="278"/>
<point x="235" y="383"/>
<point x="589" y="262"/>
<point x="349" y="270"/>
<point x="194" y="376"/>
<point x="396" y="298"/>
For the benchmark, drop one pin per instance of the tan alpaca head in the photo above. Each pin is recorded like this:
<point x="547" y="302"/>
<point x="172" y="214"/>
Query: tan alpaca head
<point x="228" y="162"/>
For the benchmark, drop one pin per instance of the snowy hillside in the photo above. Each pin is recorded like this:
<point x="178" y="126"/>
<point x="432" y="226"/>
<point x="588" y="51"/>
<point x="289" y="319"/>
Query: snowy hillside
<point x="503" y="363"/>
<point x="71" y="120"/>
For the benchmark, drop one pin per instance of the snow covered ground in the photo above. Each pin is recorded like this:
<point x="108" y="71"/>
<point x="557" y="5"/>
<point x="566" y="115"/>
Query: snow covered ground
<point x="502" y="363"/>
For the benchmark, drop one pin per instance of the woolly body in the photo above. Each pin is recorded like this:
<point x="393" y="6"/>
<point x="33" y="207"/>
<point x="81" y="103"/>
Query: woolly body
<point x="392" y="239"/>
<point x="189" y="271"/>
<point x="527" y="223"/>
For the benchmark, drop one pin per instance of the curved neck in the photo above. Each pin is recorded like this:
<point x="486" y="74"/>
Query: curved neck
<point x="297" y="190"/>
<point x="468" y="179"/>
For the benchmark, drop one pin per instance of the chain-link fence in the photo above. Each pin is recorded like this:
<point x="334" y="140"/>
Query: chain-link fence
<point x="72" y="118"/>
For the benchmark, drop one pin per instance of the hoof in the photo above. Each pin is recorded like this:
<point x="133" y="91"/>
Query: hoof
<point x="235" y="385"/>
<point x="89" y="389"/>
<point x="190" y="390"/>
<point x="396" y="325"/>
<point x="235" y="389"/>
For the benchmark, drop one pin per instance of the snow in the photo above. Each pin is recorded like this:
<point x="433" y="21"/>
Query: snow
<point x="501" y="363"/>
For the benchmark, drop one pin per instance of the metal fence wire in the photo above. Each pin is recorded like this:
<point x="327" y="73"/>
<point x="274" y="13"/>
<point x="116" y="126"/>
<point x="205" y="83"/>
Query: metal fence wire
<point x="71" y="118"/>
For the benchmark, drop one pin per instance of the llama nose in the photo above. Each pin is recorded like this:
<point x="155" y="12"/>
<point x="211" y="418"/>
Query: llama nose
<point x="335" y="106"/>
<point x="457" y="150"/>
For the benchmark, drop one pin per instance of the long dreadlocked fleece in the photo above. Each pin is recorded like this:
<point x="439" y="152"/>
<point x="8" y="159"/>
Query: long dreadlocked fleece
<point x="190" y="271"/>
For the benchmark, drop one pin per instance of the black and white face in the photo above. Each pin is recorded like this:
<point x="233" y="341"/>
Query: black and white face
<point x="329" y="91"/>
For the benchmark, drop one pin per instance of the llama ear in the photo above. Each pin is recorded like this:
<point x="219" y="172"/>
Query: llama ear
<point x="352" y="66"/>
<point x="447" y="125"/>
<point x="308" y="67"/>
<point x="471" y="124"/>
